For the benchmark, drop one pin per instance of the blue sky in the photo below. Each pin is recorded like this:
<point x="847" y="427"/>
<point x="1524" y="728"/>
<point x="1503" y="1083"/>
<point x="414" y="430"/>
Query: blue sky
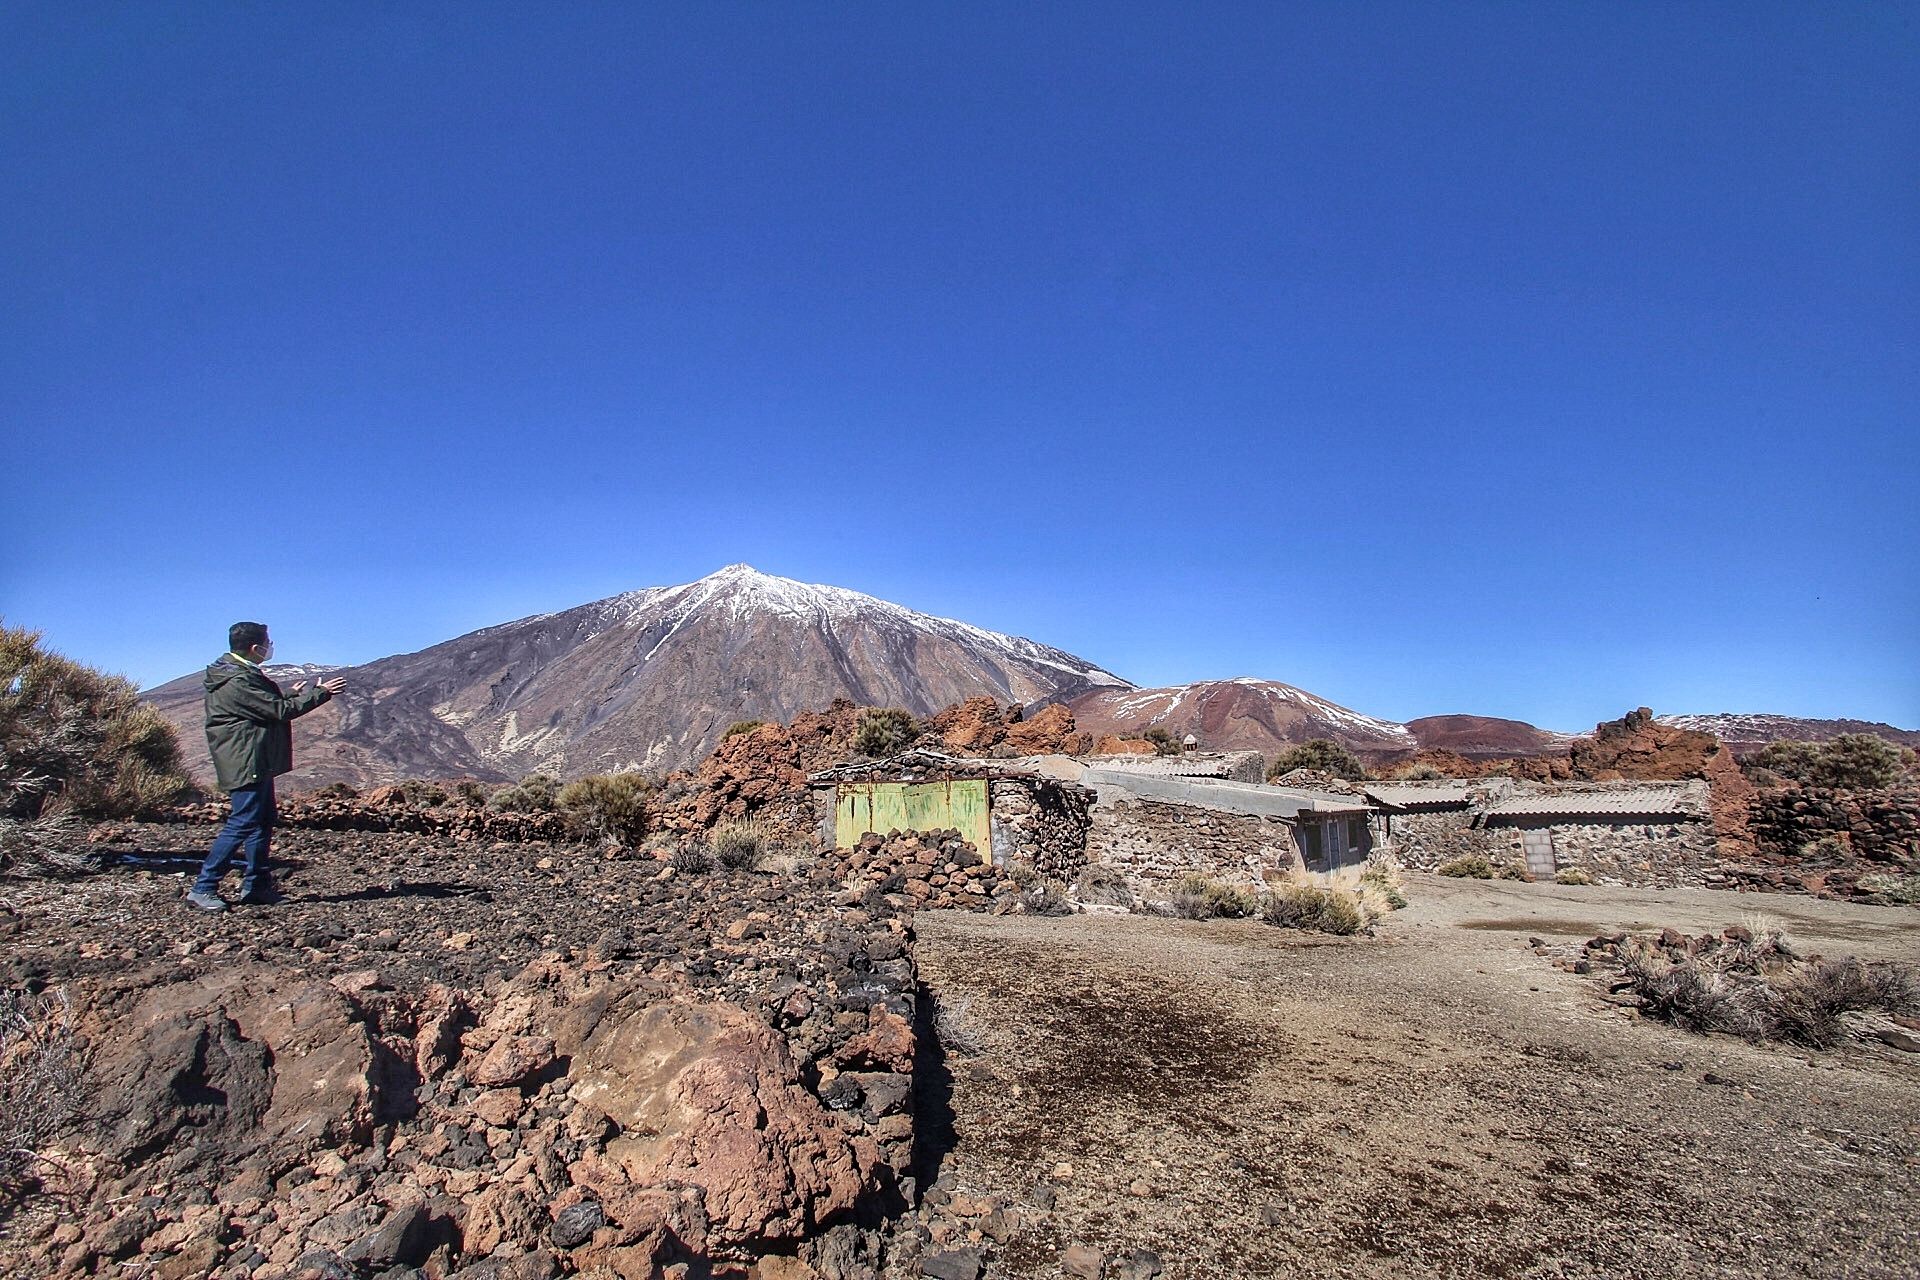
<point x="1539" y="360"/>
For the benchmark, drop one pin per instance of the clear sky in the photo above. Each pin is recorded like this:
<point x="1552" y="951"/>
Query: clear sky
<point x="1538" y="360"/>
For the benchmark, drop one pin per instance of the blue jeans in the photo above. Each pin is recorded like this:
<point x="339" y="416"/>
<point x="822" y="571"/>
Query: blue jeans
<point x="247" y="831"/>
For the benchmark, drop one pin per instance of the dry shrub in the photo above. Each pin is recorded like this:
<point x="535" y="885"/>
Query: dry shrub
<point x="738" y="845"/>
<point x="1572" y="875"/>
<point x="1198" y="898"/>
<point x="1468" y="866"/>
<point x="535" y="793"/>
<point x="1306" y="906"/>
<point x="1381" y="882"/>
<point x="691" y="857"/>
<point x="1899" y="890"/>
<point x="1758" y="990"/>
<point x="76" y="740"/>
<point x="613" y="805"/>
<point x="1048" y="897"/>
<point x="41" y="1080"/>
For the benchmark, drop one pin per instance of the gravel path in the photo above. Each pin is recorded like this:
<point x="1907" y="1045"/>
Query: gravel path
<point x="1434" y="1101"/>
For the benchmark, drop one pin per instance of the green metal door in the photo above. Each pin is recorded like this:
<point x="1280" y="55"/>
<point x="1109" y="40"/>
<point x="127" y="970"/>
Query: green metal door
<point x="913" y="806"/>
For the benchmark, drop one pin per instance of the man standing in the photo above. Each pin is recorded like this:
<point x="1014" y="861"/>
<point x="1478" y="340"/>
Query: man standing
<point x="250" y="735"/>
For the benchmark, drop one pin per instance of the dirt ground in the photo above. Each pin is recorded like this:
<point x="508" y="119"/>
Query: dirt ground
<point x="1437" y="1100"/>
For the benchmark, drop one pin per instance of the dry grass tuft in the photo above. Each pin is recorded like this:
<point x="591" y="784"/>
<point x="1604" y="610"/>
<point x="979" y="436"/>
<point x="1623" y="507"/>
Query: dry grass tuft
<point x="738" y="845"/>
<point x="41" y="1081"/>
<point x="1198" y="898"/>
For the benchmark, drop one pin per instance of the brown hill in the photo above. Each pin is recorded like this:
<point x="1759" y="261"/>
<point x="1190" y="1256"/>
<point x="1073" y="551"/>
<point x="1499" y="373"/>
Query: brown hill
<point x="1243" y="714"/>
<point x="1475" y="736"/>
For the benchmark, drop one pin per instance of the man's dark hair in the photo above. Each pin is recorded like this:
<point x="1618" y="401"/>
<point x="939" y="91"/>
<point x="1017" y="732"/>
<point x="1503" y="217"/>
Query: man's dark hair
<point x="242" y="636"/>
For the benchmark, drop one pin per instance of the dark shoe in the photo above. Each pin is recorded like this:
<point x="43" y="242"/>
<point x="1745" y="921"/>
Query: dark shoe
<point x="261" y="896"/>
<point x="206" y="901"/>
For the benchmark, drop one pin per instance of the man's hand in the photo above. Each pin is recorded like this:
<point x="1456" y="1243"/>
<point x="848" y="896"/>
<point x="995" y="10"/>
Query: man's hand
<point x="298" y="685"/>
<point x="335" y="685"/>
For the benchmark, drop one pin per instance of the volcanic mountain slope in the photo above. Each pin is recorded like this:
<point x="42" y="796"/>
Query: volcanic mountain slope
<point x="650" y="679"/>
<point x="1748" y="733"/>
<point x="1484" y="736"/>
<point x="1243" y="714"/>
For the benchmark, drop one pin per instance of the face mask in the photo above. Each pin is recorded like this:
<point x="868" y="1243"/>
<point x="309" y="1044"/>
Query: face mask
<point x="266" y="652"/>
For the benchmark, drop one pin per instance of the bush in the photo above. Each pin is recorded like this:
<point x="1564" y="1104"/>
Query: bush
<point x="741" y="726"/>
<point x="1305" y="906"/>
<point x="1572" y="875"/>
<point x="535" y="793"/>
<point x="1468" y="866"/>
<point x="1323" y="755"/>
<point x="1421" y="773"/>
<point x="1757" y="990"/>
<point x="41" y="1081"/>
<point x="1047" y="897"/>
<point x="76" y="740"/>
<point x="1164" y="743"/>
<point x="1382" y="878"/>
<point x="691" y="858"/>
<point x="422" y="795"/>
<point x="738" y="845"/>
<point x="1852" y="761"/>
<point x="1198" y="898"/>
<point x="1104" y="887"/>
<point x="471" y="793"/>
<point x="1904" y="890"/>
<point x="884" y="731"/>
<point x="1510" y="871"/>
<point x="337" y="791"/>
<point x="613" y="805"/>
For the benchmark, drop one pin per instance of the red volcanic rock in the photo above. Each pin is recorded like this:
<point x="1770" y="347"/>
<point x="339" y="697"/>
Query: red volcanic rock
<point x="973" y="727"/>
<point x="1051" y="731"/>
<point x="708" y="1096"/>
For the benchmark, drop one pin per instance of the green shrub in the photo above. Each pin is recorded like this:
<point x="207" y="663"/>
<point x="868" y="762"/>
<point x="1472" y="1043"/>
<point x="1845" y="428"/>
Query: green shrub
<point x="1198" y="898"/>
<point x="1323" y="755"/>
<point x="738" y="845"/>
<point x="1422" y="773"/>
<point x="1852" y="761"/>
<point x="741" y="726"/>
<point x="535" y="793"/>
<point x="472" y="793"/>
<point x="1468" y="866"/>
<point x="422" y="795"/>
<point x="1305" y="906"/>
<point x="76" y="740"/>
<point x="1164" y="743"/>
<point x="884" y="731"/>
<point x="1572" y="875"/>
<point x="609" y="804"/>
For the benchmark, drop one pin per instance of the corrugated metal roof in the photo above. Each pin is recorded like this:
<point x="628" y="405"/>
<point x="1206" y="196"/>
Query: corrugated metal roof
<point x="1407" y="797"/>
<point x="1596" y="803"/>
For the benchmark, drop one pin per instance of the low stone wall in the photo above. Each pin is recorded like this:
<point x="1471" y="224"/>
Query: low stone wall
<point x="1040" y="823"/>
<point x="1152" y="843"/>
<point x="1878" y="826"/>
<point x="1654" y="855"/>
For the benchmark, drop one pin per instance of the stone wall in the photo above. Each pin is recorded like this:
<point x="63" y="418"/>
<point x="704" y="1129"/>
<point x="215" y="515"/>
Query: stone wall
<point x="1041" y="823"/>
<point x="1660" y="854"/>
<point x="1878" y="826"/>
<point x="1152" y="843"/>
<point x="1422" y="841"/>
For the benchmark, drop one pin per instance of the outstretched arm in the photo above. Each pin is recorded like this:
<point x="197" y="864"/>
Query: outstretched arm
<point x="263" y="705"/>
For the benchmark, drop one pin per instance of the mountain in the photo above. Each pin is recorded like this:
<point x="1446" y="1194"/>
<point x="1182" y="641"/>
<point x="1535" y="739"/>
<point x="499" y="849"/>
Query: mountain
<point x="1243" y="714"/>
<point x="1748" y="733"/>
<point x="1484" y="736"/>
<point x="650" y="679"/>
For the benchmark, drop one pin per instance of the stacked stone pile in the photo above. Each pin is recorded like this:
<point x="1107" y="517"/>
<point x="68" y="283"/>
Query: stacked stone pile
<point x="935" y="870"/>
<point x="1824" y="842"/>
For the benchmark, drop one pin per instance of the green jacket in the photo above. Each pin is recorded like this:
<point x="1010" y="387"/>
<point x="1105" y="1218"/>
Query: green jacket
<point x="250" y="722"/>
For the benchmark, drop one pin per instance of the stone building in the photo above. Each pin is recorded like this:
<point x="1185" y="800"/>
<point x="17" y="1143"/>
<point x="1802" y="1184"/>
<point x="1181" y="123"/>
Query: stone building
<point x="1657" y="834"/>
